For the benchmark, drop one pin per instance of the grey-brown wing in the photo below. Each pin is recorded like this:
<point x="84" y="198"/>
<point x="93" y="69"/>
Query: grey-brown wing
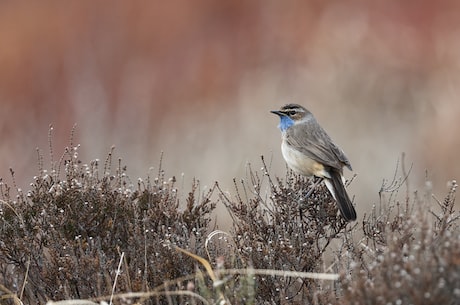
<point x="314" y="142"/>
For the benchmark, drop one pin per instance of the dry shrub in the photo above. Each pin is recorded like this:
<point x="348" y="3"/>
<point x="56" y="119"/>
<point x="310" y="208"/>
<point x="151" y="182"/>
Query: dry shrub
<point x="409" y="255"/>
<point x="288" y="229"/>
<point x="66" y="235"/>
<point x="81" y="226"/>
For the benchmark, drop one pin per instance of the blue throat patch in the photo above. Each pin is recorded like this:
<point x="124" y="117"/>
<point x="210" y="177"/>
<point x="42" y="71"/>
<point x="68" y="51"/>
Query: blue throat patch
<point x="285" y="122"/>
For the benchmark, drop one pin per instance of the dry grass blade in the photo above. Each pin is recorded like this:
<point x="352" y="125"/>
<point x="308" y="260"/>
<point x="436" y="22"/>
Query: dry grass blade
<point x="211" y="236"/>
<point x="72" y="302"/>
<point x="202" y="261"/>
<point x="283" y="273"/>
<point x="116" y="277"/>
<point x="9" y="295"/>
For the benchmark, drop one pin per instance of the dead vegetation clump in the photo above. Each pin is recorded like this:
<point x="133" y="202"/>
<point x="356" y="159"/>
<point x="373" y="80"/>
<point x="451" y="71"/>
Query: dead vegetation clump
<point x="86" y="231"/>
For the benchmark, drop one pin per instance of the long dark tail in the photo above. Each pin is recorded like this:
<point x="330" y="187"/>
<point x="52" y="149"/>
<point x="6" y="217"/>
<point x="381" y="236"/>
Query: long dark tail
<point x="340" y="194"/>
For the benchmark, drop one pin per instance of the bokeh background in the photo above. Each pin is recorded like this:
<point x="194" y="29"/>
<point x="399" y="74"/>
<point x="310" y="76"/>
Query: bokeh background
<point x="197" y="79"/>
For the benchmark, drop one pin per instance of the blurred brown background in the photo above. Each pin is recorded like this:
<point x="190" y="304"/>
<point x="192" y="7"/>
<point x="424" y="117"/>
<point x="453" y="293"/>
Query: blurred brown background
<point x="196" y="79"/>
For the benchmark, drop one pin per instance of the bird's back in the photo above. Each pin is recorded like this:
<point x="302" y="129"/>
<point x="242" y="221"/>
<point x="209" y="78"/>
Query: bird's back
<point x="312" y="140"/>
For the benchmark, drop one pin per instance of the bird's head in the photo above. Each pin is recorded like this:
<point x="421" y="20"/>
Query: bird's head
<point x="290" y="115"/>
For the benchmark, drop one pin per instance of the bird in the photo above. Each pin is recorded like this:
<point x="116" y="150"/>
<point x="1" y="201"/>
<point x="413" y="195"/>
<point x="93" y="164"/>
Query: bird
<point x="308" y="150"/>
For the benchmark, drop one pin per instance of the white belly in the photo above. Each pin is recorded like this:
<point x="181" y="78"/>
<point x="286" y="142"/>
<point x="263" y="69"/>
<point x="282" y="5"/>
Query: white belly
<point x="302" y="164"/>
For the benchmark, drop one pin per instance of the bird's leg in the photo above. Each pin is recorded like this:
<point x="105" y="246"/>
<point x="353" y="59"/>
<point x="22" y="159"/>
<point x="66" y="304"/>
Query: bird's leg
<point x="315" y="184"/>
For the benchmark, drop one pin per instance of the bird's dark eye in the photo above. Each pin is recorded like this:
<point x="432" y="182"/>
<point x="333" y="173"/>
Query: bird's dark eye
<point x="291" y="113"/>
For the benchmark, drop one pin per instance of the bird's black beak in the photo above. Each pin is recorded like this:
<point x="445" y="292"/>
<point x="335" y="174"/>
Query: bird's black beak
<point x="277" y="112"/>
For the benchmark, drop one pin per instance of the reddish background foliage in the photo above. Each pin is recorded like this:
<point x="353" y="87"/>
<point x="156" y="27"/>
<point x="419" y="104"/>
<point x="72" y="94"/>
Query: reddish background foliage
<point x="197" y="79"/>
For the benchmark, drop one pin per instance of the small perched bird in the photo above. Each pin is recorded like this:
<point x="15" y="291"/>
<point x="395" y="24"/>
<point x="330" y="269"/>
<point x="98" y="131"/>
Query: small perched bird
<point x="309" y="151"/>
